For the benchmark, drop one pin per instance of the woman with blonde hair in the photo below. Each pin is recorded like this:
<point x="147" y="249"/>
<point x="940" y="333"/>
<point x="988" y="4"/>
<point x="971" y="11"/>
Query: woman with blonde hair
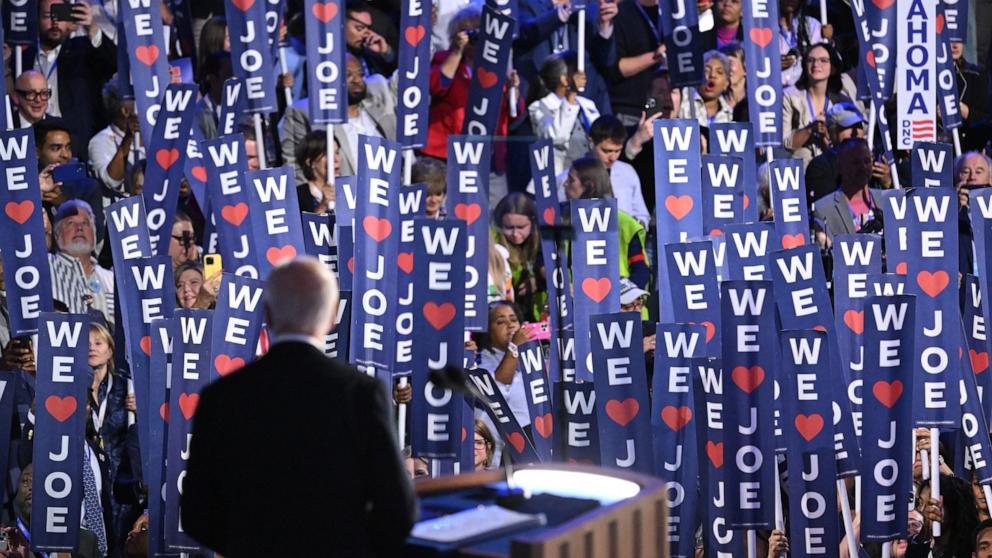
<point x="516" y="231"/>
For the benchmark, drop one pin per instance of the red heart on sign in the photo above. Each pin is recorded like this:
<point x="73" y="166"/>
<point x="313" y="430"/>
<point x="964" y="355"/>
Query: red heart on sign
<point x="715" y="453"/>
<point x="439" y="315"/>
<point x="793" y="240"/>
<point x="188" y="403"/>
<point x="747" y="201"/>
<point x="622" y="412"/>
<point x="468" y="212"/>
<point x="146" y="345"/>
<point x="235" y="214"/>
<point x="146" y="54"/>
<point x="596" y="289"/>
<point x="679" y="206"/>
<point x="820" y="328"/>
<point x="405" y="261"/>
<point x="324" y="12"/>
<point x="883" y="4"/>
<point x="761" y="36"/>
<point x="242" y="5"/>
<point x="199" y="172"/>
<point x="716" y="232"/>
<point x="61" y="408"/>
<point x="855" y="321"/>
<point x="932" y="283"/>
<point x="163" y="412"/>
<point x="710" y="329"/>
<point x="870" y="58"/>
<point x="277" y="255"/>
<point x="902" y="268"/>
<point x="549" y="216"/>
<point x="20" y="212"/>
<point x="486" y="78"/>
<point x="809" y="426"/>
<point x="516" y="440"/>
<point x="351" y="264"/>
<point x="886" y="393"/>
<point x="378" y="229"/>
<point x="748" y="379"/>
<point x="464" y="433"/>
<point x="413" y="35"/>
<point x="166" y="157"/>
<point x="544" y="425"/>
<point x="940" y="23"/>
<point x="225" y="364"/>
<point x="979" y="361"/>
<point x="676" y="417"/>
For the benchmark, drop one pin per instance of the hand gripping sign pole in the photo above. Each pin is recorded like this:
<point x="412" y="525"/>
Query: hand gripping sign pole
<point x="287" y="90"/>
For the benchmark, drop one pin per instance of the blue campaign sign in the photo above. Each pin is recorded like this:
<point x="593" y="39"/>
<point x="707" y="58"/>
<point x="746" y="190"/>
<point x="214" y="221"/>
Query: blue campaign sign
<point x="274" y="215"/>
<point x="518" y="445"/>
<point x="711" y="432"/>
<point x="932" y="276"/>
<point x="468" y="200"/>
<point x="813" y="525"/>
<point x="673" y="413"/>
<point x="485" y="94"/>
<point x="886" y="284"/>
<point x="237" y="323"/>
<point x="749" y="356"/>
<point x="881" y="56"/>
<point x="977" y="339"/>
<point x="956" y="19"/>
<point x="377" y="216"/>
<point x="537" y="388"/>
<point x="190" y="374"/>
<point x="20" y="22"/>
<point x="737" y="139"/>
<point x="61" y="387"/>
<point x="803" y="302"/>
<point x="947" y="95"/>
<point x="748" y="245"/>
<point x="196" y="174"/>
<point x="127" y="230"/>
<point x="411" y="209"/>
<point x="576" y="439"/>
<point x="226" y="164"/>
<point x="764" y="70"/>
<point x="147" y="58"/>
<point x="346" y="255"/>
<point x="932" y="165"/>
<point x="788" y="190"/>
<point x="695" y="292"/>
<point x="723" y="192"/>
<point x="326" y="86"/>
<point x="855" y="257"/>
<point x="438" y="323"/>
<point x="251" y="54"/>
<point x="414" y="74"/>
<point x="319" y="239"/>
<point x="157" y="416"/>
<point x="232" y="106"/>
<point x="593" y="250"/>
<point x="164" y="170"/>
<point x="894" y="205"/>
<point x="680" y="23"/>
<point x="677" y="188"/>
<point x="974" y="425"/>
<point x="622" y="404"/>
<point x="22" y="230"/>
<point x="889" y="377"/>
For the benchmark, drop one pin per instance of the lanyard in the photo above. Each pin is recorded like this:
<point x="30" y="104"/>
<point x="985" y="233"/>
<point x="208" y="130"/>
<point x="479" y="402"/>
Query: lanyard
<point x="652" y="24"/>
<point x="809" y="103"/>
<point x="98" y="419"/>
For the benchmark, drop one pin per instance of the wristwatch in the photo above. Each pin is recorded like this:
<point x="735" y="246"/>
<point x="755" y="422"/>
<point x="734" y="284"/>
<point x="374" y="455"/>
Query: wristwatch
<point x="512" y="348"/>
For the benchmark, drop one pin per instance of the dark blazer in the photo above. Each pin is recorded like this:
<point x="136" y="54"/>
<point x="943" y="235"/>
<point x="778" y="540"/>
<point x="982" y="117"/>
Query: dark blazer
<point x="308" y="443"/>
<point x="833" y="215"/>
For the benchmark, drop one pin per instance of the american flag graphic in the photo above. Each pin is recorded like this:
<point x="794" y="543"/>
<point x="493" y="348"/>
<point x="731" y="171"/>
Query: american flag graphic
<point x="924" y="129"/>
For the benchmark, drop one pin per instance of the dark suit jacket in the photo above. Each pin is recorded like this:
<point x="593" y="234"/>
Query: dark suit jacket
<point x="296" y="455"/>
<point x="833" y="215"/>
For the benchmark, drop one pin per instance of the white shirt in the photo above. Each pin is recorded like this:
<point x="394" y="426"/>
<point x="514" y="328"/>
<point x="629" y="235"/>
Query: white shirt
<point x="102" y="149"/>
<point x="554" y="118"/>
<point x="360" y="125"/>
<point x="514" y="393"/>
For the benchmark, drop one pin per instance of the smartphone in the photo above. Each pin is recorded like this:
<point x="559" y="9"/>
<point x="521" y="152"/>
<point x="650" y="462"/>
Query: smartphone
<point x="540" y="331"/>
<point x="62" y="12"/>
<point x="652" y="107"/>
<point x="73" y="171"/>
<point x="211" y="265"/>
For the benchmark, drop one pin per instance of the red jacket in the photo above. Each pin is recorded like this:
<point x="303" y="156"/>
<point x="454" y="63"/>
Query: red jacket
<point x="449" y="97"/>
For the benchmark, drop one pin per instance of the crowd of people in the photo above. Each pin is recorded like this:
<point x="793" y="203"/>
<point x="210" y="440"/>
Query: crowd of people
<point x="599" y="120"/>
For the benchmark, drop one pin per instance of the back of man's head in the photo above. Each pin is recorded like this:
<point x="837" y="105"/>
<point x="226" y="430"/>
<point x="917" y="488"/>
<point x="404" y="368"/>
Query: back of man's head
<point x="607" y="127"/>
<point x="301" y="297"/>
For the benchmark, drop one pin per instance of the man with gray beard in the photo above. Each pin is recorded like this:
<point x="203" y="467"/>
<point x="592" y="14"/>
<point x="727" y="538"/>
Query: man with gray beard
<point x="77" y="278"/>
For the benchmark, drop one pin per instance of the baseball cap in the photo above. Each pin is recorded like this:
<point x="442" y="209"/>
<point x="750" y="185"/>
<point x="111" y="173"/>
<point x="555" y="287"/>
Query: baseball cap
<point x="629" y="292"/>
<point x="71" y="208"/>
<point x="844" y="115"/>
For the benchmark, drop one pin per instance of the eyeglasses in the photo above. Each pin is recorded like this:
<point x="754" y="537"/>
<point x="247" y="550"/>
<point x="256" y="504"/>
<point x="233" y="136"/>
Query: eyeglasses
<point x="360" y="26"/>
<point x="34" y="95"/>
<point x="480" y="443"/>
<point x="821" y="60"/>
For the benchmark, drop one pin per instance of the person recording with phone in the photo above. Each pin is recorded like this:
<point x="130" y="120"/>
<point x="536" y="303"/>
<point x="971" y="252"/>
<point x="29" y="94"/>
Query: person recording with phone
<point x="115" y="148"/>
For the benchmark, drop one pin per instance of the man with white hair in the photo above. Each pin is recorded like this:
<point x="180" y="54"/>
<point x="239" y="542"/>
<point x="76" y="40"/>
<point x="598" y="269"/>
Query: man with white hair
<point x="78" y="281"/>
<point x="335" y="473"/>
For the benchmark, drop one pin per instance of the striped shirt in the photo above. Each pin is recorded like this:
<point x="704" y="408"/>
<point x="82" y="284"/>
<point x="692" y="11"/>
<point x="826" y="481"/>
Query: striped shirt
<point x="71" y="286"/>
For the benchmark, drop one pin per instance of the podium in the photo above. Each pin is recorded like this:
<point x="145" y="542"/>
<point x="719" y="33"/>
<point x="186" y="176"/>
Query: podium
<point x="591" y="512"/>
